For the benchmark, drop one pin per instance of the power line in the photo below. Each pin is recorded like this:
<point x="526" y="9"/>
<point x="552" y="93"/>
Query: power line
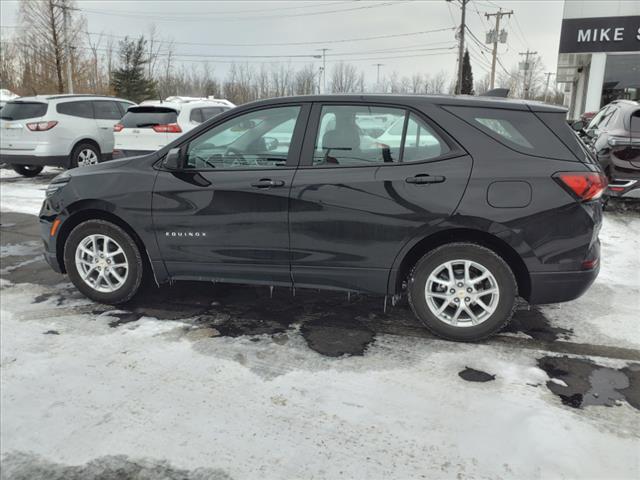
<point x="243" y="12"/>
<point x="203" y="18"/>
<point x="274" y="44"/>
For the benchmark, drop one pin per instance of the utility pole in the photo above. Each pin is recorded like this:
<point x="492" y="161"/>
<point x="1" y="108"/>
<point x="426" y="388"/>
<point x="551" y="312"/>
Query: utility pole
<point x="324" y="69"/>
<point x="526" y="66"/>
<point x="496" y="36"/>
<point x="378" y="74"/>
<point x="463" y="26"/>
<point x="546" y="88"/>
<point x="68" y="46"/>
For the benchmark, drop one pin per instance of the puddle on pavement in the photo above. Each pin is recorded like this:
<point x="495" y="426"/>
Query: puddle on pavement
<point x="331" y="323"/>
<point x="335" y="335"/>
<point x="532" y="322"/>
<point x="473" y="375"/>
<point x="583" y="382"/>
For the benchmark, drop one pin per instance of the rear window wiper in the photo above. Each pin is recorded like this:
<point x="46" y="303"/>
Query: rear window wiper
<point x="6" y="118"/>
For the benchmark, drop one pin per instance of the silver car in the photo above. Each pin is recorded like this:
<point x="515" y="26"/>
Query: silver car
<point x="59" y="130"/>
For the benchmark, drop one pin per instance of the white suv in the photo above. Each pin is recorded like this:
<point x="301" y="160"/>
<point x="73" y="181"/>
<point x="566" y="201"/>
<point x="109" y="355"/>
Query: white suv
<point x="59" y="130"/>
<point x="153" y="124"/>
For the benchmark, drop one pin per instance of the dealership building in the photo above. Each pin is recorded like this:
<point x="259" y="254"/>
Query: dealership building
<point x="599" y="55"/>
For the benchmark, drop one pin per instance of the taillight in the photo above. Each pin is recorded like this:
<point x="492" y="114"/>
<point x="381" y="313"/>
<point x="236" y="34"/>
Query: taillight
<point x="169" y="128"/>
<point x="41" y="126"/>
<point x="584" y="185"/>
<point x="118" y="127"/>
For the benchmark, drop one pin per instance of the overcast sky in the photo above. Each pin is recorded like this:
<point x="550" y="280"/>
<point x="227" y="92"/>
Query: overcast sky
<point x="323" y="24"/>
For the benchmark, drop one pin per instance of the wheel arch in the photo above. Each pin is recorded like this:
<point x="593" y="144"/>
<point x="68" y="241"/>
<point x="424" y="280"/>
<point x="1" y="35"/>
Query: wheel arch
<point x="403" y="266"/>
<point x="92" y="210"/>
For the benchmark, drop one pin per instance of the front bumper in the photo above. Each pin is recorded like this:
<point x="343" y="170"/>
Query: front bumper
<point x="53" y="161"/>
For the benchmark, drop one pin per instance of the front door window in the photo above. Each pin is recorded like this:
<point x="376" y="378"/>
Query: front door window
<point x="259" y="139"/>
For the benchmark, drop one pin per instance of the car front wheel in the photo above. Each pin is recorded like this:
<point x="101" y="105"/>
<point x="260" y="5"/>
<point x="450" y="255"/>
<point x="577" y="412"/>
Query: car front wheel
<point x="462" y="291"/>
<point x="103" y="262"/>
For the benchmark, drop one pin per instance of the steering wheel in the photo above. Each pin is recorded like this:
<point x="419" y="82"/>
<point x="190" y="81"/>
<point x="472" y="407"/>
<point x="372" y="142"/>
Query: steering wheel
<point x="236" y="156"/>
<point x="197" y="158"/>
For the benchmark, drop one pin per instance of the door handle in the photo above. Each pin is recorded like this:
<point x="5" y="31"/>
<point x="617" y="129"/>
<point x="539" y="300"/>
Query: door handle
<point x="106" y="128"/>
<point x="268" y="183"/>
<point x="423" y="178"/>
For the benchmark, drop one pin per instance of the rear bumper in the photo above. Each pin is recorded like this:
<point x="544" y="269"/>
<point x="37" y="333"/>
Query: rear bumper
<point x="556" y="287"/>
<point x="52" y="161"/>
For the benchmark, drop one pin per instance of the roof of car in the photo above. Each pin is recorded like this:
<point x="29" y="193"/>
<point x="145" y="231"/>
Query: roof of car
<point x="65" y="96"/>
<point x="454" y="100"/>
<point x="178" y="106"/>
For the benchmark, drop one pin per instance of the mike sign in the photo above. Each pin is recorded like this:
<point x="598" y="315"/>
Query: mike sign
<point x="602" y="34"/>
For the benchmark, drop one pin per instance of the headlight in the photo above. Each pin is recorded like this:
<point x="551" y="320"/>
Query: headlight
<point x="56" y="185"/>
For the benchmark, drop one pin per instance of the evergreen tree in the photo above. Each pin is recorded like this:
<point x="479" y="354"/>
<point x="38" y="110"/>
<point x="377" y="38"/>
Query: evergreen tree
<point x="129" y="80"/>
<point x="467" y="75"/>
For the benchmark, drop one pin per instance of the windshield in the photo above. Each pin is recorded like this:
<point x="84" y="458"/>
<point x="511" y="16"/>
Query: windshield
<point x="147" y="117"/>
<point x="22" y="110"/>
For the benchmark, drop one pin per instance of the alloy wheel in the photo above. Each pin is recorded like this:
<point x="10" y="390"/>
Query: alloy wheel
<point x="87" y="157"/>
<point x="462" y="293"/>
<point x="101" y="263"/>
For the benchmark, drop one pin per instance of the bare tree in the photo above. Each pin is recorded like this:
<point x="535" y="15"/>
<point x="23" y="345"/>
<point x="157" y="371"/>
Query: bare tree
<point x="42" y="36"/>
<point x="344" y="78"/>
<point x="305" y="80"/>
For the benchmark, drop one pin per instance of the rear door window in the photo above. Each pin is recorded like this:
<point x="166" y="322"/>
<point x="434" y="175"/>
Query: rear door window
<point x="148" y="117"/>
<point x="196" y="115"/>
<point x="210" y="112"/>
<point x="22" y="110"/>
<point x="345" y="136"/>
<point x="82" y="109"/>
<point x="107" y="110"/>
<point x="520" y="130"/>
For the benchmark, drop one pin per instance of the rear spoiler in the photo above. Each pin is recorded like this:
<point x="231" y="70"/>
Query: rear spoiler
<point x="496" y="92"/>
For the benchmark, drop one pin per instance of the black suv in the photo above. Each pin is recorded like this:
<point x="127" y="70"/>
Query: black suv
<point x="463" y="203"/>
<point x="614" y="137"/>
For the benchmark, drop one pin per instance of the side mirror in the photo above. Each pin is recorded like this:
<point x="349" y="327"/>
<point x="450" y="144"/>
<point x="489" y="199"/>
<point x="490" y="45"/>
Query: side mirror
<point x="271" y="143"/>
<point x="173" y="160"/>
<point x="577" y="126"/>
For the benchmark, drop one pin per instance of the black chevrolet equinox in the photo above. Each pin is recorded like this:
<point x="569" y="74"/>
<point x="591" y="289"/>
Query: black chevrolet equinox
<point x="462" y="203"/>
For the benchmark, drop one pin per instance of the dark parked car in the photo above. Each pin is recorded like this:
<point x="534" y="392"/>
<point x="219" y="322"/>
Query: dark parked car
<point x="500" y="201"/>
<point x="616" y="144"/>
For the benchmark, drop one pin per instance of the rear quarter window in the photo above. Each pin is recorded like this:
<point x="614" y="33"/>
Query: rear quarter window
<point x="83" y="109"/>
<point x="22" y="110"/>
<point x="519" y="130"/>
<point x="148" y="117"/>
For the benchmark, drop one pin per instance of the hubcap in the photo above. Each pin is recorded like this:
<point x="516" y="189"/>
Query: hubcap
<point x="462" y="293"/>
<point x="87" y="157"/>
<point x="102" y="263"/>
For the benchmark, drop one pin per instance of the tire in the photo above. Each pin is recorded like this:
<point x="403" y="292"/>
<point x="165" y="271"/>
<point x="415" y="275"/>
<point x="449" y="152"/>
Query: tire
<point x="28" y="170"/>
<point x="104" y="290"/>
<point x="84" y="154"/>
<point x="480" y="260"/>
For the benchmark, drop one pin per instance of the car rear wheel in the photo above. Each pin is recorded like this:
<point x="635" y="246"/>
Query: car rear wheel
<point x="103" y="262"/>
<point x="462" y="291"/>
<point x="83" y="155"/>
<point x="28" y="170"/>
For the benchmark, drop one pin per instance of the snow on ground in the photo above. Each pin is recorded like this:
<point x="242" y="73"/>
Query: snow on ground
<point x="79" y="386"/>
<point x="267" y="409"/>
<point x="24" y="195"/>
